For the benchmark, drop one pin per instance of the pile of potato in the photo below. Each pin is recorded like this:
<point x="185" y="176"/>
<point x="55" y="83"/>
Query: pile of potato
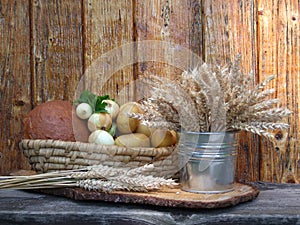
<point x="116" y="128"/>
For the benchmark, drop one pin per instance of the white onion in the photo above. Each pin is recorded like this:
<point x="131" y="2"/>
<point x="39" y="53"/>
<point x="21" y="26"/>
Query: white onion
<point x="84" y="111"/>
<point x="112" y="108"/>
<point x="101" y="137"/>
<point x="99" y="121"/>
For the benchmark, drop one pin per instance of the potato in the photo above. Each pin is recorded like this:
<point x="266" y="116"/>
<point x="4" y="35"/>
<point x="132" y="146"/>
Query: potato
<point x="143" y="129"/>
<point x="133" y="140"/>
<point x="127" y="105"/>
<point x="125" y="124"/>
<point x="163" y="138"/>
<point x="176" y="135"/>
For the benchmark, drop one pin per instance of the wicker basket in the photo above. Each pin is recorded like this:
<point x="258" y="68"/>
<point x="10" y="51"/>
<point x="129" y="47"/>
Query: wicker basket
<point x="53" y="155"/>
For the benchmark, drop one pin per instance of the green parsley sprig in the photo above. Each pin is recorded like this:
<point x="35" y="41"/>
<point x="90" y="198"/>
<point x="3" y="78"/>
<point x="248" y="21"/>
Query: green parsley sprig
<point x="95" y="101"/>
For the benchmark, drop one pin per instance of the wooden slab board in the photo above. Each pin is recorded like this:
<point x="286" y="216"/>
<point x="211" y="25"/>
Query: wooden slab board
<point x="170" y="197"/>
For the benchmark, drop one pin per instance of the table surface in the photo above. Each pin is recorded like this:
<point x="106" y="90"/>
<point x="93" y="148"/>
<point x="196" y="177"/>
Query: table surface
<point x="276" y="204"/>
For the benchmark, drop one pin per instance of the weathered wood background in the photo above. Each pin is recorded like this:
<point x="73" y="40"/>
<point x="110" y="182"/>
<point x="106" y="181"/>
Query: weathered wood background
<point x="46" y="45"/>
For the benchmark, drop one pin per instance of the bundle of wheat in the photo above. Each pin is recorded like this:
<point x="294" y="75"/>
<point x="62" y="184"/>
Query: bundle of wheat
<point x="212" y="98"/>
<point x="97" y="177"/>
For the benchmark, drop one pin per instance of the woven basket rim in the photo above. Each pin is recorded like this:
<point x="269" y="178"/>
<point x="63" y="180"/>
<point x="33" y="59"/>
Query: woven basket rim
<point x="52" y="155"/>
<point x="25" y="143"/>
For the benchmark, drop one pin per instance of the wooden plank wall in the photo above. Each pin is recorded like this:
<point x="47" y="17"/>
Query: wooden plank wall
<point x="46" y="47"/>
<point x="229" y="30"/>
<point x="15" y="79"/>
<point x="279" y="53"/>
<point x="107" y="25"/>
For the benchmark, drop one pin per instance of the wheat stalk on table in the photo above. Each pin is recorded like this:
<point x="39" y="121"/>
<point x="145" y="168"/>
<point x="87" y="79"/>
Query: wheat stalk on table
<point x="96" y="177"/>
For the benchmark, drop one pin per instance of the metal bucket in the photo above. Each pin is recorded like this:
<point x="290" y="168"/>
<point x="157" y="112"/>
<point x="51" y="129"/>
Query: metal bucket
<point x="207" y="161"/>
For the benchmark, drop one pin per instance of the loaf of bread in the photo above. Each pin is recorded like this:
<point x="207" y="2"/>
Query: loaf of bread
<point x="55" y="120"/>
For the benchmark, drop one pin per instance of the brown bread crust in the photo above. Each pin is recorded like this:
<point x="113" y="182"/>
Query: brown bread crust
<point x="55" y="120"/>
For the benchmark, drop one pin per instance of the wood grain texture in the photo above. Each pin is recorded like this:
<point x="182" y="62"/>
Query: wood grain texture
<point x="168" y="197"/>
<point x="56" y="49"/>
<point x="15" y="78"/>
<point x="279" y="54"/>
<point x="174" y="22"/>
<point x="276" y="204"/>
<point x="46" y="47"/>
<point x="107" y="26"/>
<point x="230" y="30"/>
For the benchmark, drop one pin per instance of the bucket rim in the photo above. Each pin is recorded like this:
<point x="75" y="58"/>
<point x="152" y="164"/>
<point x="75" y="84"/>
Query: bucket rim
<point x="209" y="133"/>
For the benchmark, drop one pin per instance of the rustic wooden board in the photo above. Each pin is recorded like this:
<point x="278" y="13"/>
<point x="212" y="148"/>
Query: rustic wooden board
<point x="279" y="55"/>
<point x="56" y="40"/>
<point x="173" y="22"/>
<point x="171" y="197"/>
<point x="15" y="79"/>
<point x="277" y="204"/>
<point x="107" y="25"/>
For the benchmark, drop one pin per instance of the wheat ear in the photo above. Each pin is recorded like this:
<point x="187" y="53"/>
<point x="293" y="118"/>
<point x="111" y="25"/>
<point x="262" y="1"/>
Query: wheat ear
<point x="98" y="177"/>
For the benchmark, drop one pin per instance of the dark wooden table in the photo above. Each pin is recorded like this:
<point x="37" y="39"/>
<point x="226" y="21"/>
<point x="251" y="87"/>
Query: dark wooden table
<point x="276" y="204"/>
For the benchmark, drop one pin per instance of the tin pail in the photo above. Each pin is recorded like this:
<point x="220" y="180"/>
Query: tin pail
<point x="207" y="161"/>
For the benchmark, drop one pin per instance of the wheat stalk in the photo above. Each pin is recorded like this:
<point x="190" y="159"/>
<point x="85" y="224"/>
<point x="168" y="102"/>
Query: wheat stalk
<point x="97" y="177"/>
<point x="212" y="98"/>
